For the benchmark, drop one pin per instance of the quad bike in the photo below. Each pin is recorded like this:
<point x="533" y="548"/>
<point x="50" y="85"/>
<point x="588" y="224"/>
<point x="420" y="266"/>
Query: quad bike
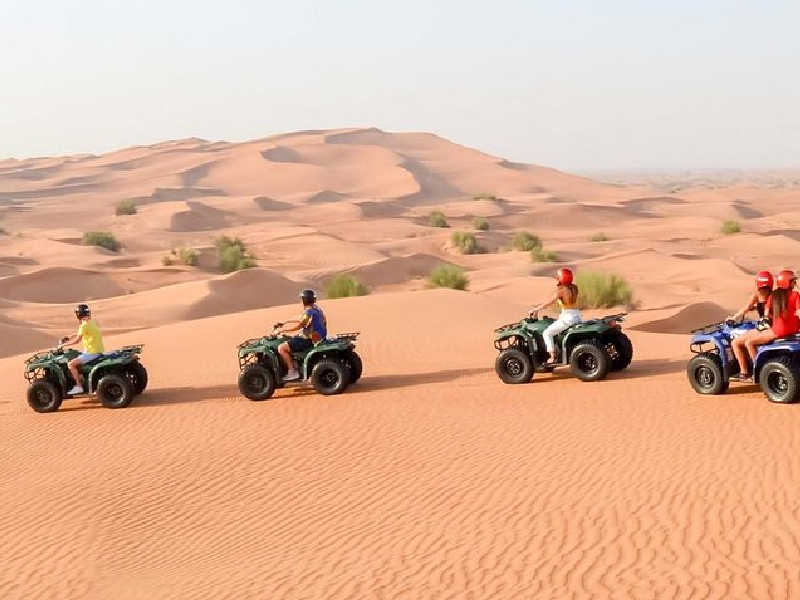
<point x="114" y="377"/>
<point x="776" y="367"/>
<point x="331" y="365"/>
<point x="592" y="349"/>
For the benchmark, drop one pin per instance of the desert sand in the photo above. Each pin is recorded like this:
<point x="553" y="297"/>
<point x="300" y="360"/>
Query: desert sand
<point x="429" y="478"/>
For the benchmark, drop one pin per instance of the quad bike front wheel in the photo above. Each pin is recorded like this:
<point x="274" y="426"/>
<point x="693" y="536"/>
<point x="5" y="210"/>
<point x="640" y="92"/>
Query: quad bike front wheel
<point x="706" y="375"/>
<point x="330" y="377"/>
<point x="43" y="396"/>
<point x="590" y="361"/>
<point x="513" y="366"/>
<point x="115" y="391"/>
<point x="780" y="380"/>
<point x="257" y="383"/>
<point x="137" y="375"/>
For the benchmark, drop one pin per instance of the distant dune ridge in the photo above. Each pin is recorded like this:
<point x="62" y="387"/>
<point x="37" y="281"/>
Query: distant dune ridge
<point x="311" y="204"/>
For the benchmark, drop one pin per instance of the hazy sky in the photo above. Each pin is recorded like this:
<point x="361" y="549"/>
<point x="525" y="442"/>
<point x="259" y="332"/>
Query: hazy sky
<point x="565" y="83"/>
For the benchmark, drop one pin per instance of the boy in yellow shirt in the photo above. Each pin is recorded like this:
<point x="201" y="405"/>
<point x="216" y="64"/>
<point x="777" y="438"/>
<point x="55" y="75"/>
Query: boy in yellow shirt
<point x="89" y="334"/>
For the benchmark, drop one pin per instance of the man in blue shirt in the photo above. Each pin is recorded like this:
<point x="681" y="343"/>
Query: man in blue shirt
<point x="315" y="328"/>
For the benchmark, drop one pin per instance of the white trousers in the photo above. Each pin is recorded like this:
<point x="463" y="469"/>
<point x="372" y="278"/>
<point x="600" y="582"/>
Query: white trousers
<point x="568" y="318"/>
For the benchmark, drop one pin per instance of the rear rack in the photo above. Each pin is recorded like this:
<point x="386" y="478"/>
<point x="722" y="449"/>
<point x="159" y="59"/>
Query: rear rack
<point x="135" y="348"/>
<point x="616" y="317"/>
<point x="348" y="336"/>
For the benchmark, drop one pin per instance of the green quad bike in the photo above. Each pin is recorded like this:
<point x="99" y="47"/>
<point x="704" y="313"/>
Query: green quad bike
<point x="332" y="365"/>
<point x="115" y="377"/>
<point x="592" y="348"/>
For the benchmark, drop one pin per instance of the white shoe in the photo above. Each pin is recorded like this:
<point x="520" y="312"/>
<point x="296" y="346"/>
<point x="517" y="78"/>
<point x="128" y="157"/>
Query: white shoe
<point x="292" y="375"/>
<point x="75" y="391"/>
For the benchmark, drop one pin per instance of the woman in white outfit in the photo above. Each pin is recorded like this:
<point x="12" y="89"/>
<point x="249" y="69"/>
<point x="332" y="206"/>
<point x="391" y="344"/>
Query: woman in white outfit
<point x="566" y="294"/>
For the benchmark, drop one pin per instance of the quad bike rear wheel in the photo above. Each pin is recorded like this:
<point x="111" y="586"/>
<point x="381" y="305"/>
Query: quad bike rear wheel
<point x="623" y="351"/>
<point x="137" y="375"/>
<point x="44" y="396"/>
<point x="513" y="366"/>
<point x="706" y="375"/>
<point x="257" y="383"/>
<point x="354" y="365"/>
<point x="115" y="391"/>
<point x="590" y="361"/>
<point x="330" y="377"/>
<point x="780" y="380"/>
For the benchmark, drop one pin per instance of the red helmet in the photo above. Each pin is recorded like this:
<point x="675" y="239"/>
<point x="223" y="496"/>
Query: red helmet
<point x="786" y="278"/>
<point x="764" y="279"/>
<point x="564" y="276"/>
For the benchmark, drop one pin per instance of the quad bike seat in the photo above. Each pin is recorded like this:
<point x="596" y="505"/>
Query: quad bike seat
<point x="789" y="338"/>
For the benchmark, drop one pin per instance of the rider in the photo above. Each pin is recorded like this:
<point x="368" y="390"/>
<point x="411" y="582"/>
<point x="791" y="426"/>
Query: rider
<point x="566" y="294"/>
<point x="782" y="306"/>
<point x="758" y="301"/>
<point x="315" y="328"/>
<point x="89" y="334"/>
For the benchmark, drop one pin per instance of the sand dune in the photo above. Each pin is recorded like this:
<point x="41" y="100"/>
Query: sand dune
<point x="687" y="319"/>
<point x="430" y="478"/>
<point x="379" y="478"/>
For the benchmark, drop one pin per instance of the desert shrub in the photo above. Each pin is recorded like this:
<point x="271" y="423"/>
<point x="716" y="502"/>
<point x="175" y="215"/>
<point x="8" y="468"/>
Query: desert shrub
<point x="484" y="196"/>
<point x="729" y="227"/>
<point x="104" y="239"/>
<point x="167" y="261"/>
<point x="345" y="286"/>
<point x="233" y="255"/>
<point x="525" y="241"/>
<point x="480" y="224"/>
<point x="189" y="257"/>
<point x="599" y="237"/>
<point x="437" y="219"/>
<point x="542" y="255"/>
<point x="126" y="207"/>
<point x="467" y="243"/>
<point x="602" y="290"/>
<point x="448" y="276"/>
<point x="3" y="231"/>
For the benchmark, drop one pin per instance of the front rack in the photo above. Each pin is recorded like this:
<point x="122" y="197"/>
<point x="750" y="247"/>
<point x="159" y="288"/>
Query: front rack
<point x="709" y="329"/>
<point x="506" y="326"/>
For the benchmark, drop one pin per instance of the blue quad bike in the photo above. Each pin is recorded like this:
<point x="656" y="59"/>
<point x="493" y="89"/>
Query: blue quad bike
<point x="776" y="367"/>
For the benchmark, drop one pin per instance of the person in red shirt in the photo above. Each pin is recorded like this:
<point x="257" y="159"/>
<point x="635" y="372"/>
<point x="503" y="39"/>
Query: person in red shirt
<point x="782" y="306"/>
<point x="758" y="302"/>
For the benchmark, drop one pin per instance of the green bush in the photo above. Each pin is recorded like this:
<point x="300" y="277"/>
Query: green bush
<point x="437" y="219"/>
<point x="524" y="241"/>
<point x="466" y="243"/>
<point x="189" y="257"/>
<point x="167" y="261"/>
<point x="602" y="290"/>
<point x="448" y="276"/>
<point x="484" y="196"/>
<point x="126" y="207"/>
<point x="542" y="255"/>
<point x="729" y="227"/>
<point x="599" y="237"/>
<point x="345" y="286"/>
<point x="233" y="255"/>
<point x="104" y="239"/>
<point x="480" y="224"/>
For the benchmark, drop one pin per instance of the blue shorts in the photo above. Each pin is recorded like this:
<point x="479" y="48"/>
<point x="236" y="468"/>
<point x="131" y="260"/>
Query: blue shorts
<point x="299" y="344"/>
<point x="85" y="358"/>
